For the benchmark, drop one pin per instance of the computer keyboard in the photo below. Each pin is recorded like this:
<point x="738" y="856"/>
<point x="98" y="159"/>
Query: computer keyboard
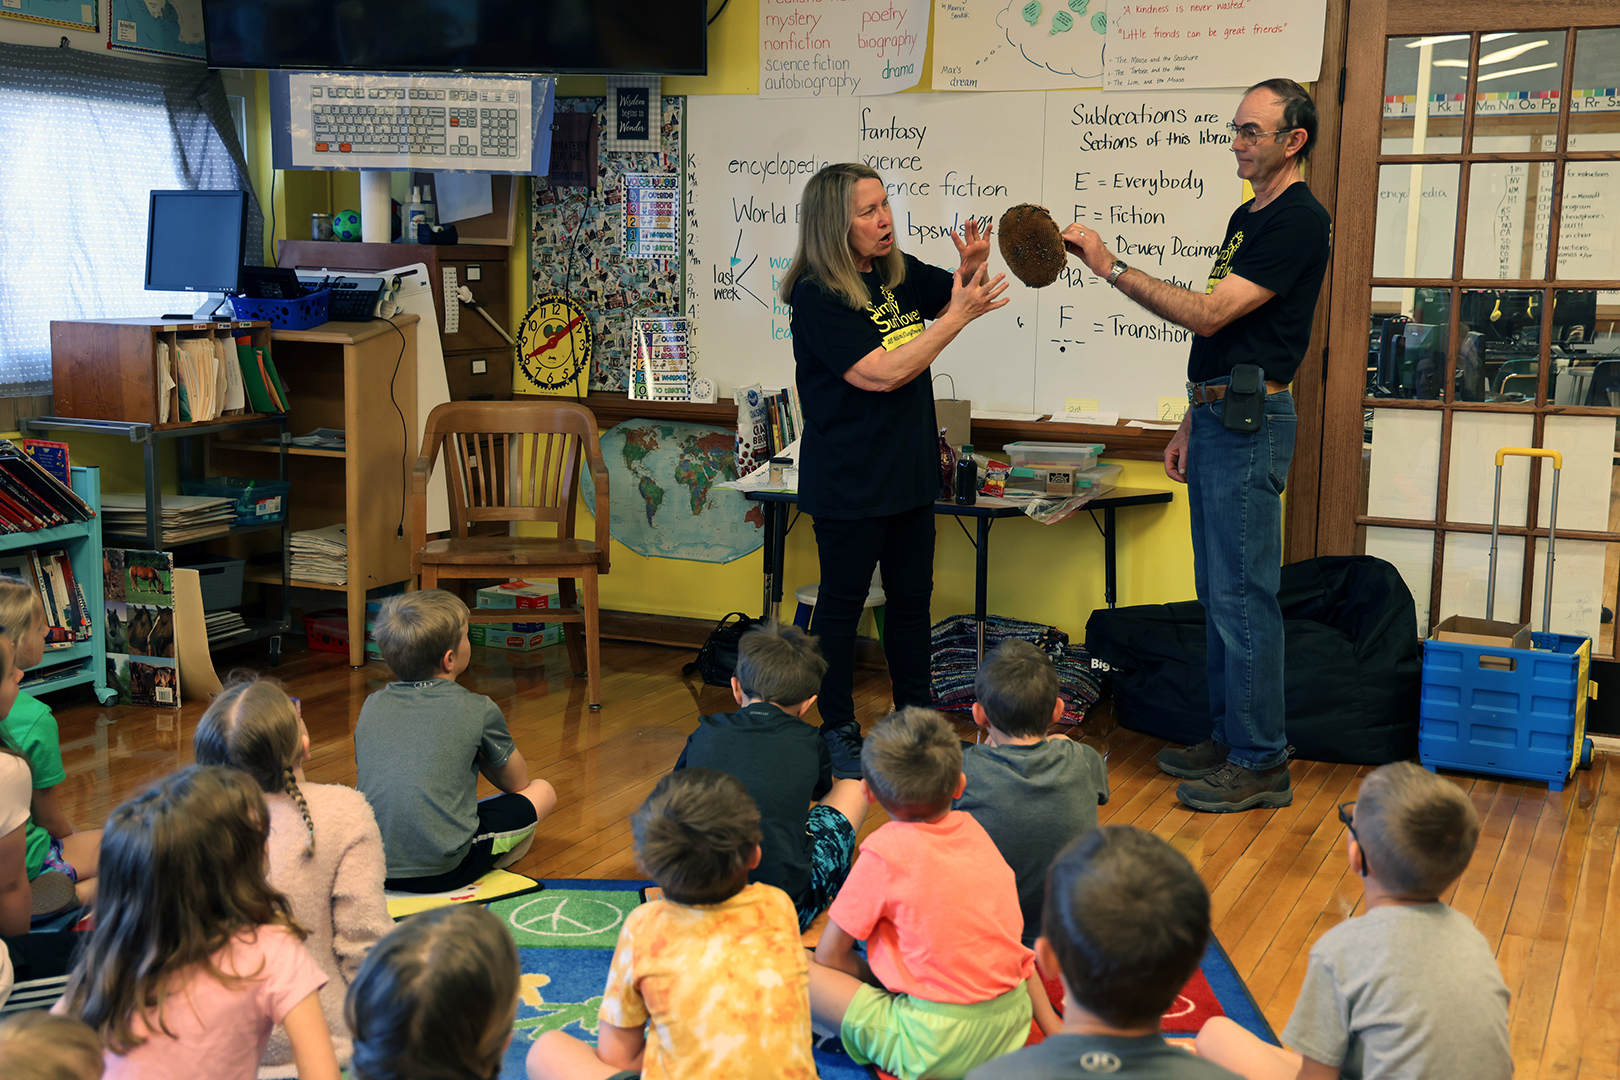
<point x="363" y="121"/>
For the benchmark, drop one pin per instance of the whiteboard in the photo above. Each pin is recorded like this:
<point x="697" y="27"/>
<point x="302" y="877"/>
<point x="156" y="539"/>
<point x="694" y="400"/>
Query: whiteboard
<point x="1156" y="180"/>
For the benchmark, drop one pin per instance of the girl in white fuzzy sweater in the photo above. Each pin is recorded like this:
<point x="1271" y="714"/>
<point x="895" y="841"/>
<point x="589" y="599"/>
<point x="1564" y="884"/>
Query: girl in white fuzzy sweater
<point x="325" y="850"/>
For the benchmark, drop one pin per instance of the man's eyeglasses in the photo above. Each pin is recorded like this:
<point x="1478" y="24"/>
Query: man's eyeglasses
<point x="1347" y="815"/>
<point x="1249" y="134"/>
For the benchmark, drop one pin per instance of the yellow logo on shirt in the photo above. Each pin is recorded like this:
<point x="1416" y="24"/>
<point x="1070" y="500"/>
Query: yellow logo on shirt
<point x="1223" y="261"/>
<point x="896" y="327"/>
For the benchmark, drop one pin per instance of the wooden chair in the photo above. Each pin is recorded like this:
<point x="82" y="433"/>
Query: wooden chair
<point x="510" y="461"/>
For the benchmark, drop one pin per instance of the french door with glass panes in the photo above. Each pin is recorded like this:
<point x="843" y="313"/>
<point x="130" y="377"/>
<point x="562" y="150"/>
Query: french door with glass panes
<point x="1476" y="305"/>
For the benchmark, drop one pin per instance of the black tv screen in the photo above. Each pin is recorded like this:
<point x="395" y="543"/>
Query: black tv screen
<point x="569" y="37"/>
<point x="194" y="241"/>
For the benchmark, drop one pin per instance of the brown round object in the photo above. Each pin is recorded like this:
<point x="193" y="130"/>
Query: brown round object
<point x="1032" y="245"/>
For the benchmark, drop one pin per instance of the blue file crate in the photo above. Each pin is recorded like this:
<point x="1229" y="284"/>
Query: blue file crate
<point x="1506" y="712"/>
<point x="300" y="314"/>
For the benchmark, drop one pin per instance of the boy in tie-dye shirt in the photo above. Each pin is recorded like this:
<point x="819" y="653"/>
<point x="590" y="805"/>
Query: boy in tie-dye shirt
<point x="711" y="980"/>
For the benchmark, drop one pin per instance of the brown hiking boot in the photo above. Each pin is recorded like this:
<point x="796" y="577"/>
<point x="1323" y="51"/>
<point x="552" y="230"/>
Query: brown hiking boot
<point x="1193" y="762"/>
<point x="1232" y="787"/>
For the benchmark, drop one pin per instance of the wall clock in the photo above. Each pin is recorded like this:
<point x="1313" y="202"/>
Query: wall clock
<point x="554" y="342"/>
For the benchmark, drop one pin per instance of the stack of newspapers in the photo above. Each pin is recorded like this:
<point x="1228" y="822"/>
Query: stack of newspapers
<point x="321" y="555"/>
<point x="184" y="517"/>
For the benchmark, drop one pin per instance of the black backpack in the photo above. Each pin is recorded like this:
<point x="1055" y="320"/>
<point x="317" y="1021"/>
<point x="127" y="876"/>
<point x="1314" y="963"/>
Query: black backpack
<point x="717" y="659"/>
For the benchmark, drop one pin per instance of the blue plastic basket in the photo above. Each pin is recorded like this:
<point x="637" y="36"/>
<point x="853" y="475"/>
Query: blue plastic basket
<point x="258" y="502"/>
<point x="300" y="314"/>
<point x="1504" y="711"/>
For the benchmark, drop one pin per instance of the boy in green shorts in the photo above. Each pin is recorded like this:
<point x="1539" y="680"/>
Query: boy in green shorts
<point x="946" y="984"/>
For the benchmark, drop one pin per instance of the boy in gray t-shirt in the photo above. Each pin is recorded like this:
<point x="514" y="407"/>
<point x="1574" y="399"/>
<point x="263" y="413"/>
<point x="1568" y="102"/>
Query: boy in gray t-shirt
<point x="420" y="745"/>
<point x="1032" y="794"/>
<point x="1408" y="990"/>
<point x="1127" y="922"/>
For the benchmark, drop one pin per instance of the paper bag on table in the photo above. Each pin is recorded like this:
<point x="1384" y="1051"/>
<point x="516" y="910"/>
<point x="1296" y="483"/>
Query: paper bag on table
<point x="955" y="415"/>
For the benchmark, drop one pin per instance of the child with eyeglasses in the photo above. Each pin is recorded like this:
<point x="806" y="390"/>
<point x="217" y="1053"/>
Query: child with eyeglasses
<point x="1409" y="988"/>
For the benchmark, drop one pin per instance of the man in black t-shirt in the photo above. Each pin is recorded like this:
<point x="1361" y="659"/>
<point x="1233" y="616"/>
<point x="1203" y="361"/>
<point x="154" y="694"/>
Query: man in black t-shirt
<point x="1256" y="310"/>
<point x="869" y="461"/>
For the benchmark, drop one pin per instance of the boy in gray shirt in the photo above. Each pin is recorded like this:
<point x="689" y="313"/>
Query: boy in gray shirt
<point x="1408" y="990"/>
<point x="1033" y="795"/>
<point x="420" y="745"/>
<point x="1127" y="921"/>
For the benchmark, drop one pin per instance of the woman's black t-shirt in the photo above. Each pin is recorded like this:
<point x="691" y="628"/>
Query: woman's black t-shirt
<point x="865" y="453"/>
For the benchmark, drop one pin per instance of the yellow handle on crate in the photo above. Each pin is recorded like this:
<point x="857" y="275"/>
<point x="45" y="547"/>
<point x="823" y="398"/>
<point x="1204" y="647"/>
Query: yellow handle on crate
<point x="1525" y="451"/>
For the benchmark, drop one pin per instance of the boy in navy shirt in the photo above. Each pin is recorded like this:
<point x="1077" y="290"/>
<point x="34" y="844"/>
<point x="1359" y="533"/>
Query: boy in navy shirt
<point x="783" y="762"/>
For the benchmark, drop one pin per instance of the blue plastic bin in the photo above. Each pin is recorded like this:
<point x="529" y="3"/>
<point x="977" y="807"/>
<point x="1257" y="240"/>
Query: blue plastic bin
<point x="258" y="502"/>
<point x="300" y="314"/>
<point x="1506" y="712"/>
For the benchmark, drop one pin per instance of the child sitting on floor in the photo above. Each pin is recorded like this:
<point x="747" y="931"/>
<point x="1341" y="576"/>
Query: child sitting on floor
<point x="1410" y="988"/>
<point x="436" y="998"/>
<point x="38" y="1046"/>
<point x="1032" y="794"/>
<point x="715" y="967"/>
<point x="949" y="984"/>
<point x="1127" y="921"/>
<point x="325" y="853"/>
<point x="420" y="744"/>
<point x="783" y="762"/>
<point x="194" y="957"/>
<point x="53" y="842"/>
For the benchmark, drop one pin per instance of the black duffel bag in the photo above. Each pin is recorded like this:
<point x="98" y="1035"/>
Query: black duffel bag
<point x="1351" y="670"/>
<point x="717" y="659"/>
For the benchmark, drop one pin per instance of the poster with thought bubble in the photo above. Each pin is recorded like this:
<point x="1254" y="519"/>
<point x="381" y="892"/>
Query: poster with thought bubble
<point x="1189" y="44"/>
<point x="1019" y="44"/>
<point x="840" y="48"/>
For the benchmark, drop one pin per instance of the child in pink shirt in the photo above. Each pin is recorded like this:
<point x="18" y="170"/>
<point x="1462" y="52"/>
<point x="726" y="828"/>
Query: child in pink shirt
<point x="194" y="957"/>
<point x="949" y="984"/>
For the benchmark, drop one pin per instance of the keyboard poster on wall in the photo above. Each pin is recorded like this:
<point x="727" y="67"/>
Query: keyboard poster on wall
<point x="441" y="123"/>
<point x="652" y="216"/>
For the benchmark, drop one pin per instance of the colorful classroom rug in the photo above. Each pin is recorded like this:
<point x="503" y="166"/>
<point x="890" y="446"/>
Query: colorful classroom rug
<point x="566" y="934"/>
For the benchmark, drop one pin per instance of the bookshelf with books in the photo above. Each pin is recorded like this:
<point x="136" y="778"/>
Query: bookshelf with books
<point x="65" y="561"/>
<point x="357" y="379"/>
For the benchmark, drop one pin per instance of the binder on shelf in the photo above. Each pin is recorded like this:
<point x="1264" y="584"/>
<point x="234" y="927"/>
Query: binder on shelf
<point x="260" y="380"/>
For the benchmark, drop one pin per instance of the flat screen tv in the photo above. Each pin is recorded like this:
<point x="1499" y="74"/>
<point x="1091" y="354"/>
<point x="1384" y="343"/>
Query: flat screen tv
<point x="194" y="241"/>
<point x="567" y="37"/>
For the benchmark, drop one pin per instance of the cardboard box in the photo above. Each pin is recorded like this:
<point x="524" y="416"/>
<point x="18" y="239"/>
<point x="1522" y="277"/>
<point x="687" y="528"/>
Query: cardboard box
<point x="1486" y="633"/>
<point x="520" y="594"/>
<point x="508" y="636"/>
<point x="1497" y="634"/>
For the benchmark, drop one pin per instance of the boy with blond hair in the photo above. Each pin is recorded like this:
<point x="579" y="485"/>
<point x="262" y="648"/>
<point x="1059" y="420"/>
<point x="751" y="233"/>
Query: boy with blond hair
<point x="784" y="764"/>
<point x="710" y="980"/>
<point x="946" y="983"/>
<point x="1408" y="989"/>
<point x="1032" y="794"/>
<point x="421" y="743"/>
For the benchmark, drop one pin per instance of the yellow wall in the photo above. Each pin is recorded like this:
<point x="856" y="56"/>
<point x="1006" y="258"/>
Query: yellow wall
<point x="1047" y="573"/>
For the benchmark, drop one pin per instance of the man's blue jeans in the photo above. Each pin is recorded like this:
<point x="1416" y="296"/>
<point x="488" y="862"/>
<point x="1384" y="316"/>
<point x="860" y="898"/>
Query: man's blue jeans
<point x="1234" y="484"/>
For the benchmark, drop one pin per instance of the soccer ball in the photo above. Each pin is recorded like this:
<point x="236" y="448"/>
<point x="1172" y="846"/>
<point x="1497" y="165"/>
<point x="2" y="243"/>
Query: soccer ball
<point x="346" y="225"/>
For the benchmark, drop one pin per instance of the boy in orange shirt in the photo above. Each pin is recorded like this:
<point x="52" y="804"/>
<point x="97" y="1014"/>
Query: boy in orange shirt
<point x="949" y="984"/>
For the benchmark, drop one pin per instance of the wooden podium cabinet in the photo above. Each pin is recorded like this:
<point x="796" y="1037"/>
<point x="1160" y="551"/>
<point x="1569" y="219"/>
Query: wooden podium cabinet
<point x="360" y="378"/>
<point x="466" y="337"/>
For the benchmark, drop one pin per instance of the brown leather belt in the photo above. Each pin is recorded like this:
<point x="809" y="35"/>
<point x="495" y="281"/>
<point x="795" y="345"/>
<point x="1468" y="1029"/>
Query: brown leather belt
<point x="1204" y="393"/>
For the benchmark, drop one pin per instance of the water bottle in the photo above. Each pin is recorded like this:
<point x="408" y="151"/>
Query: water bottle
<point x="967" y="478"/>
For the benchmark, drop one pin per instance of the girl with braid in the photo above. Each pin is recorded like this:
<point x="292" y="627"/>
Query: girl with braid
<point x="325" y="850"/>
<point x="195" y="958"/>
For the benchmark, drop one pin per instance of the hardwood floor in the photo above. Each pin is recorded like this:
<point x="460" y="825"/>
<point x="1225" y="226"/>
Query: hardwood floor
<point x="1542" y="886"/>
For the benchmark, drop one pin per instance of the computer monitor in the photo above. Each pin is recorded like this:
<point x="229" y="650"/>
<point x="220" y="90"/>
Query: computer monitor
<point x="194" y="242"/>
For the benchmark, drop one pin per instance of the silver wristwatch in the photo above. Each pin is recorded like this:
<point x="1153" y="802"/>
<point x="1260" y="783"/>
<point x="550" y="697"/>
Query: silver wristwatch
<point x="1118" y="268"/>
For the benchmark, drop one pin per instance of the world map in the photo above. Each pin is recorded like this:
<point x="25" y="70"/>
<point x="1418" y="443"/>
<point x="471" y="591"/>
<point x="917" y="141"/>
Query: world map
<point x="663" y="496"/>
<point x="167" y="27"/>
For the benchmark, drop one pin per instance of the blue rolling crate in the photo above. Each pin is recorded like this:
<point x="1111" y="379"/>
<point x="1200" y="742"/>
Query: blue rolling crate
<point x="1507" y="712"/>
